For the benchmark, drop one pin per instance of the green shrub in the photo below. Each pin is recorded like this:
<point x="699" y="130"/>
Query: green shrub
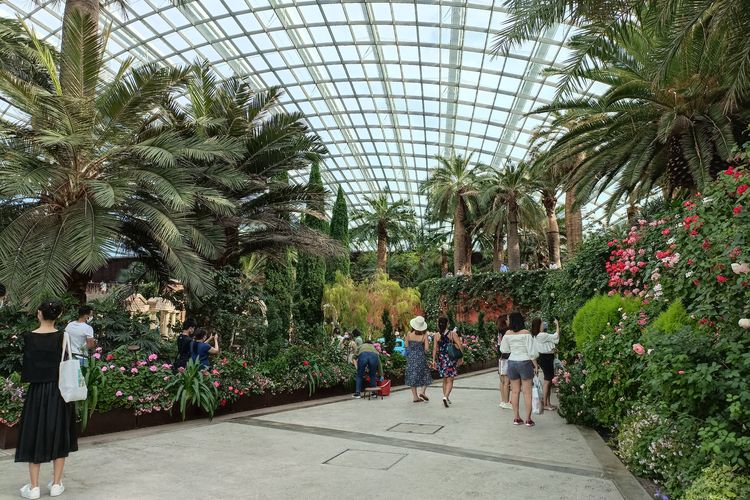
<point x="673" y="319"/>
<point x="719" y="482"/>
<point x="599" y="315"/>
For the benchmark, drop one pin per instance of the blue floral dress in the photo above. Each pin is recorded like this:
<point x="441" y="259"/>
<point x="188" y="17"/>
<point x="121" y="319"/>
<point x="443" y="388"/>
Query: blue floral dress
<point x="417" y="371"/>
<point x="446" y="366"/>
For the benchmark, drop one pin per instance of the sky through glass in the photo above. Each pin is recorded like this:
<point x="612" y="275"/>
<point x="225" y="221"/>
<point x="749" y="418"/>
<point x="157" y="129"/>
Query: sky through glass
<point x="387" y="85"/>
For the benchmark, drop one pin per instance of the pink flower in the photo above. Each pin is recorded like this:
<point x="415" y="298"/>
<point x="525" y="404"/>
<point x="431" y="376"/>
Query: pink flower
<point x="96" y="355"/>
<point x="742" y="189"/>
<point x="217" y="384"/>
<point x="721" y="279"/>
<point x="737" y="210"/>
<point x="166" y="366"/>
<point x="118" y="394"/>
<point x="153" y="368"/>
<point x="122" y="368"/>
<point x="665" y="232"/>
<point x="134" y="370"/>
<point x="152" y="357"/>
<point x="214" y="372"/>
<point x="142" y="363"/>
<point x="681" y="372"/>
<point x="231" y="388"/>
<point x="104" y="368"/>
<point x="181" y="369"/>
<point x="638" y="349"/>
<point x="130" y="398"/>
<point x="110" y="357"/>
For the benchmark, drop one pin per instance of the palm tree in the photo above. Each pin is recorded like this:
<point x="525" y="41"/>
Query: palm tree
<point x="453" y="193"/>
<point x="274" y="144"/>
<point x="639" y="136"/>
<point x="509" y="192"/>
<point x="94" y="171"/>
<point x="720" y="22"/>
<point x="385" y="223"/>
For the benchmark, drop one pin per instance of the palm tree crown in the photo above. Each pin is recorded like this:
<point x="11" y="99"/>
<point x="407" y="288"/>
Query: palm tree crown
<point x="385" y="223"/>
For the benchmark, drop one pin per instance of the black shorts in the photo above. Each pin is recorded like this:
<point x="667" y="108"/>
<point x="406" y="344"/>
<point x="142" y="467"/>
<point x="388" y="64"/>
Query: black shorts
<point x="520" y="370"/>
<point x="547" y="364"/>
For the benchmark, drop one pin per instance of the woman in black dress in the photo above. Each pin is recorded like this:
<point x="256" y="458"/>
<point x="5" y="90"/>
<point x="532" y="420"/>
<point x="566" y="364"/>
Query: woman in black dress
<point x="47" y="430"/>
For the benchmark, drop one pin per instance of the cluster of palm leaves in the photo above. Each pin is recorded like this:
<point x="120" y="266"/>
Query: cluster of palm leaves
<point x="677" y="75"/>
<point x="165" y="163"/>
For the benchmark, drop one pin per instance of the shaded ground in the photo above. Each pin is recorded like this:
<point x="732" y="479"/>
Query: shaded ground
<point x="382" y="449"/>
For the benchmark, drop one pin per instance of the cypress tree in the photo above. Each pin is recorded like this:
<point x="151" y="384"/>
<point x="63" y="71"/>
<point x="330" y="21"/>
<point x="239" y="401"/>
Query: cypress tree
<point x="278" y="294"/>
<point x="311" y="274"/>
<point x="389" y="340"/>
<point x="339" y="232"/>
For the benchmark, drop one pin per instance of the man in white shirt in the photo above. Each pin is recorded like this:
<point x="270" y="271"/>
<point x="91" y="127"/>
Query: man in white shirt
<point x="80" y="332"/>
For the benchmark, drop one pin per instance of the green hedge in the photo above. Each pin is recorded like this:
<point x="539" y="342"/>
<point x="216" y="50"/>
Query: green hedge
<point x="523" y="287"/>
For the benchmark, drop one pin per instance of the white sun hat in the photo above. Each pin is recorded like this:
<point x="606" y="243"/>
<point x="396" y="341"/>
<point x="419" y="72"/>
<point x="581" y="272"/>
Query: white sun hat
<point x="418" y="323"/>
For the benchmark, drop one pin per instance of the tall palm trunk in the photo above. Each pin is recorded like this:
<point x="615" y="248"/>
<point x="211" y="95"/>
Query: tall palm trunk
<point x="382" y="247"/>
<point x="71" y="85"/>
<point x="468" y="246"/>
<point x="497" y="248"/>
<point x="459" y="238"/>
<point x="549" y="200"/>
<point x="573" y="222"/>
<point x="514" y="244"/>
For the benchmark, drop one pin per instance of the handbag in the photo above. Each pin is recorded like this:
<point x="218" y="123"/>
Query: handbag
<point x="536" y="397"/>
<point x="71" y="382"/>
<point x="454" y="352"/>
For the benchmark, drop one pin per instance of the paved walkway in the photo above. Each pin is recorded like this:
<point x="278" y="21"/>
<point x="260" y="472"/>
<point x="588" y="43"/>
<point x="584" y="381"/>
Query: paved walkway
<point x="358" y="449"/>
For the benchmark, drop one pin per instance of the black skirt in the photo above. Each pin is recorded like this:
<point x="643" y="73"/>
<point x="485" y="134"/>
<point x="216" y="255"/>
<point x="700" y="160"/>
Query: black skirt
<point x="47" y="430"/>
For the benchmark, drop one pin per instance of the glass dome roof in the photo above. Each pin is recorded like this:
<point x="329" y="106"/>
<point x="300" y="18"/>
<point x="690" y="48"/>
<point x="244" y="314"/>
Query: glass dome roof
<point x="387" y="85"/>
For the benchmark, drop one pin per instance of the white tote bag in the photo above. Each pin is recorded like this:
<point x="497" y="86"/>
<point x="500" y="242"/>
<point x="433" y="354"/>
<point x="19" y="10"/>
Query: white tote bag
<point x="536" y="397"/>
<point x="71" y="383"/>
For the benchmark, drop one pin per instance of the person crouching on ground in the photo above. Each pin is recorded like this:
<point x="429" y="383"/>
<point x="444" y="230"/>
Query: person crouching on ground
<point x="502" y="365"/>
<point x="367" y="359"/>
<point x="417" y="371"/>
<point x="519" y="343"/>
<point x="202" y="347"/>
<point x="546" y="344"/>
<point x="47" y="429"/>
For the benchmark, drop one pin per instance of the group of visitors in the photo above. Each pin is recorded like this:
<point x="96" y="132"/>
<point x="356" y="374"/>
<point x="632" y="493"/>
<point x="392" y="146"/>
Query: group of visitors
<point x="446" y="354"/>
<point x="521" y="354"/>
<point x="195" y="343"/>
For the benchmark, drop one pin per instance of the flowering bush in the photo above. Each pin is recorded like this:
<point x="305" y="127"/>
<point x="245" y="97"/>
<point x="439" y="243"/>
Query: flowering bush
<point x="660" y="448"/>
<point x="11" y="400"/>
<point x="574" y="405"/>
<point x="718" y="482"/>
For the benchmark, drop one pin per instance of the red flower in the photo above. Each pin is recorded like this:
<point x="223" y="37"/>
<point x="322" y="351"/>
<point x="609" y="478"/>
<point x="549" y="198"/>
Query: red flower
<point x="706" y="244"/>
<point x="110" y="357"/>
<point x="696" y="282"/>
<point x="742" y="189"/>
<point x="721" y="279"/>
<point x="223" y="402"/>
<point x="306" y="363"/>
<point x="737" y="210"/>
<point x="665" y="232"/>
<point x="244" y="364"/>
<point x="729" y="171"/>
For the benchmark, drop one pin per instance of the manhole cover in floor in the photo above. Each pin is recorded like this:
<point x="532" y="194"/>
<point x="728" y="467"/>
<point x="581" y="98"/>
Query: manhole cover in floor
<point x="364" y="459"/>
<point x="416" y="428"/>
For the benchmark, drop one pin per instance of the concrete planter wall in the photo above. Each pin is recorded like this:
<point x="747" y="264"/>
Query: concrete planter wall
<point x="119" y="420"/>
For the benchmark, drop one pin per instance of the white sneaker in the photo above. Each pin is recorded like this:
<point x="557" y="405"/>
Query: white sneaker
<point x="28" y="492"/>
<point x="55" y="490"/>
<point x="506" y="406"/>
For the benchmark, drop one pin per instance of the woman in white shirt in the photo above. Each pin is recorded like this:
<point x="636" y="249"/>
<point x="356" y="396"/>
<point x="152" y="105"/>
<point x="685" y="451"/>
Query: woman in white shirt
<point x="546" y="343"/>
<point x="521" y="365"/>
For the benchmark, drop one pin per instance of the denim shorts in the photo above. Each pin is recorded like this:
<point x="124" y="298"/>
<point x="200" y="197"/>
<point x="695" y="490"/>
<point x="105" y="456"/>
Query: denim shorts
<point x="523" y="370"/>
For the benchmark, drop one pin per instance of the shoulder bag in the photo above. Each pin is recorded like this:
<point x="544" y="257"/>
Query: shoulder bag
<point x="71" y="382"/>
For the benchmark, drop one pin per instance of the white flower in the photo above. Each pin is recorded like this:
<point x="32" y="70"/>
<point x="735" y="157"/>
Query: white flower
<point x="688" y="274"/>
